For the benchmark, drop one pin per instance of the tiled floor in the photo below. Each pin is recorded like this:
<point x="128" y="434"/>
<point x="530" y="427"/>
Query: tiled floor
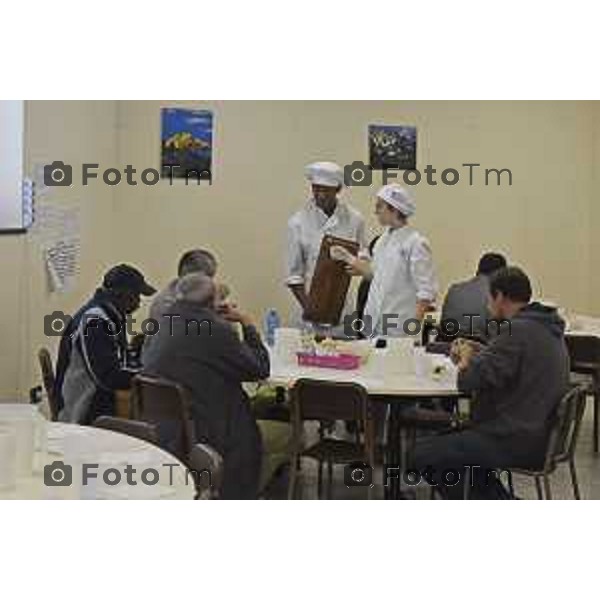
<point x="587" y="464"/>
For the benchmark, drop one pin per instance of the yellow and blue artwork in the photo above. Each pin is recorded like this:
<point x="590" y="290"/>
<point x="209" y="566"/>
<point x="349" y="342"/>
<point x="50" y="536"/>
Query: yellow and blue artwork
<point x="186" y="144"/>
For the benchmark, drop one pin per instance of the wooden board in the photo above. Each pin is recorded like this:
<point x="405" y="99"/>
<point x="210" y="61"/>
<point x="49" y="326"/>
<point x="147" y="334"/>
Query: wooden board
<point x="329" y="284"/>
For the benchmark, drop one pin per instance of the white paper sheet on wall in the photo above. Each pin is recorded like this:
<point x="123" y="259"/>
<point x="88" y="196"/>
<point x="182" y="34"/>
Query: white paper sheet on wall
<point x="57" y="227"/>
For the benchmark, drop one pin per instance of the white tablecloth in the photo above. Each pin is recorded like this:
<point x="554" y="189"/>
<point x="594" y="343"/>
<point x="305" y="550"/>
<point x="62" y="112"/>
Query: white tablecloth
<point x="377" y="377"/>
<point x="75" y="445"/>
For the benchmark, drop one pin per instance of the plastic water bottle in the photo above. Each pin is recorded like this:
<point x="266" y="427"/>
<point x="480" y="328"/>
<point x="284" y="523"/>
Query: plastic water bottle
<point x="272" y="322"/>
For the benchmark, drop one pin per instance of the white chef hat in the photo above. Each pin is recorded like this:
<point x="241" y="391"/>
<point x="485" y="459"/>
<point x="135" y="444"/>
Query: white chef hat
<point x="325" y="173"/>
<point x="398" y="197"/>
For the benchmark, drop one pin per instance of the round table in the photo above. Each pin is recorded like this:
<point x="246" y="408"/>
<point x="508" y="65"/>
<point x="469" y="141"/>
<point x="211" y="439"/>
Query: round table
<point x="397" y="390"/>
<point x="108" y="455"/>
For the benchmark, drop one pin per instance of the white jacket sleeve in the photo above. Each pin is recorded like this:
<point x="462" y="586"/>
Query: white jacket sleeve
<point x="422" y="270"/>
<point x="296" y="263"/>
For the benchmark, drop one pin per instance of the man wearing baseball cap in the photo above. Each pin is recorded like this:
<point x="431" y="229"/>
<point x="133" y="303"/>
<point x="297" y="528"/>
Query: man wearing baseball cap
<point x="92" y="354"/>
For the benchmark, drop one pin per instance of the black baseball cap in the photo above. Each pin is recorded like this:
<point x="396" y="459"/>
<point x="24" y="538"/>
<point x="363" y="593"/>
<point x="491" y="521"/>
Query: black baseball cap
<point x="127" y="278"/>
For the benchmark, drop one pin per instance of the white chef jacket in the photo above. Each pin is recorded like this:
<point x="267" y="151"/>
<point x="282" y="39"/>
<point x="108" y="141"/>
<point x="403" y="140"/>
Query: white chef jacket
<point x="403" y="273"/>
<point x="306" y="229"/>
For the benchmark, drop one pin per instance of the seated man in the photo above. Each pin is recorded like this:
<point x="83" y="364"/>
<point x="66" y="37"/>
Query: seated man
<point x="517" y="382"/>
<point x="201" y="350"/>
<point x="470" y="298"/>
<point x="92" y="353"/>
<point x="192" y="261"/>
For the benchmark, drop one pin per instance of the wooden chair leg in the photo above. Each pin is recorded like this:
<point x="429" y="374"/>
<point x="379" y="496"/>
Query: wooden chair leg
<point x="547" y="489"/>
<point x="538" y="487"/>
<point x="574" y="480"/>
<point x="294" y="468"/>
<point x="320" y="481"/>
<point x="596" y="409"/>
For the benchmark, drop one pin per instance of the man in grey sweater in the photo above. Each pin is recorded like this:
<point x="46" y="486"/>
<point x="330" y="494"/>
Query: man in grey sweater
<point x="516" y="382"/>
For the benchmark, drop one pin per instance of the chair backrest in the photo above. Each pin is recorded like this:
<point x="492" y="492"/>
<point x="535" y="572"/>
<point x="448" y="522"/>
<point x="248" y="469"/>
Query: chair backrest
<point x="206" y="465"/>
<point x="565" y="428"/>
<point x="168" y="405"/>
<point x="584" y="351"/>
<point x="329" y="401"/>
<point x="137" y="429"/>
<point x="48" y="379"/>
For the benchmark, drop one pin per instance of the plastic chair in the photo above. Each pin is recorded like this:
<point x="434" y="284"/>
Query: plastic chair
<point x="167" y="405"/>
<point x="136" y="429"/>
<point x="584" y="352"/>
<point x="312" y="400"/>
<point x="562" y="443"/>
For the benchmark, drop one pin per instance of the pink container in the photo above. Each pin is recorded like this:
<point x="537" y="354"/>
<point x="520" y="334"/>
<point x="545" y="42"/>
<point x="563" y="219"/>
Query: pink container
<point x="337" y="361"/>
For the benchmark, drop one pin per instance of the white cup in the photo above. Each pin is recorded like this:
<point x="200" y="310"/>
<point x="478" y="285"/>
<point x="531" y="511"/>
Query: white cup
<point x="399" y="355"/>
<point x="8" y="458"/>
<point x="422" y="362"/>
<point x="288" y="341"/>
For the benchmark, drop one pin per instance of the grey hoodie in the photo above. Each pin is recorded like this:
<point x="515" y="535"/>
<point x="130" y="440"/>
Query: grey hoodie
<point x="519" y="379"/>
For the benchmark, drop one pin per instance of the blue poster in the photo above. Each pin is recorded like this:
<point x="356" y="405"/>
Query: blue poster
<point x="186" y="144"/>
<point x="392" y="147"/>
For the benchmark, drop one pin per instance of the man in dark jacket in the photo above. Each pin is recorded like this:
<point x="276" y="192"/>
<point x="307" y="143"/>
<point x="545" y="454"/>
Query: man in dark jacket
<point x="92" y="354"/>
<point x="471" y="297"/>
<point x="516" y="381"/>
<point x="198" y="348"/>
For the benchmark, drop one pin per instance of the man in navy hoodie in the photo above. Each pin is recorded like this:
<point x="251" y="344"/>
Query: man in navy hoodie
<point x="92" y="353"/>
<point x="516" y="383"/>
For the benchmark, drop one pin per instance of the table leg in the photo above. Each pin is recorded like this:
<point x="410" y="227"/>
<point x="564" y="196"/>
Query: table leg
<point x="393" y="454"/>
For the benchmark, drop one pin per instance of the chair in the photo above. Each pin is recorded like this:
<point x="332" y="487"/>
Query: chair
<point x="168" y="405"/>
<point x="47" y="369"/>
<point x="204" y="460"/>
<point x="584" y="352"/>
<point x="136" y="429"/>
<point x="562" y="442"/>
<point x="322" y="401"/>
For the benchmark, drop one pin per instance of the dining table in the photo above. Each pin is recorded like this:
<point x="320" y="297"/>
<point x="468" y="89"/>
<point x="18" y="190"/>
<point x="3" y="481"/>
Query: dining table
<point x="116" y="466"/>
<point x="395" y="386"/>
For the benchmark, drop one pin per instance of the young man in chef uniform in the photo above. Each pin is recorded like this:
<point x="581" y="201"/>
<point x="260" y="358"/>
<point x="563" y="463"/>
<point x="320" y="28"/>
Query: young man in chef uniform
<point x="403" y="283"/>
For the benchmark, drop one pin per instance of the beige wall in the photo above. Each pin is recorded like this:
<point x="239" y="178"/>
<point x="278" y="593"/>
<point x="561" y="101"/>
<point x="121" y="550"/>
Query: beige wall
<point x="73" y="132"/>
<point x="544" y="222"/>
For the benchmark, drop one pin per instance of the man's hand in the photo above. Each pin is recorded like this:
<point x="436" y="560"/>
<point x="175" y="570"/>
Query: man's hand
<point x="360" y="266"/>
<point x="462" y="351"/>
<point x="232" y="313"/>
<point x="423" y="307"/>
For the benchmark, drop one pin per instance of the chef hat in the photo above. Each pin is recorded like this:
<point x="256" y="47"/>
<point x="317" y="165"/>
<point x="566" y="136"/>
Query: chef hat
<point x="325" y="173"/>
<point x="398" y="197"/>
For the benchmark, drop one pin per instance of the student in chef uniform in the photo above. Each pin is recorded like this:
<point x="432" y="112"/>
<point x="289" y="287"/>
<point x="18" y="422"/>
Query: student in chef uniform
<point x="323" y="214"/>
<point x="401" y="272"/>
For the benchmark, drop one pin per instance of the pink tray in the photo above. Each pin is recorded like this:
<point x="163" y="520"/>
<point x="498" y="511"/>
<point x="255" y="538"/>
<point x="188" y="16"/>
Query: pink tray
<point x="339" y="361"/>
